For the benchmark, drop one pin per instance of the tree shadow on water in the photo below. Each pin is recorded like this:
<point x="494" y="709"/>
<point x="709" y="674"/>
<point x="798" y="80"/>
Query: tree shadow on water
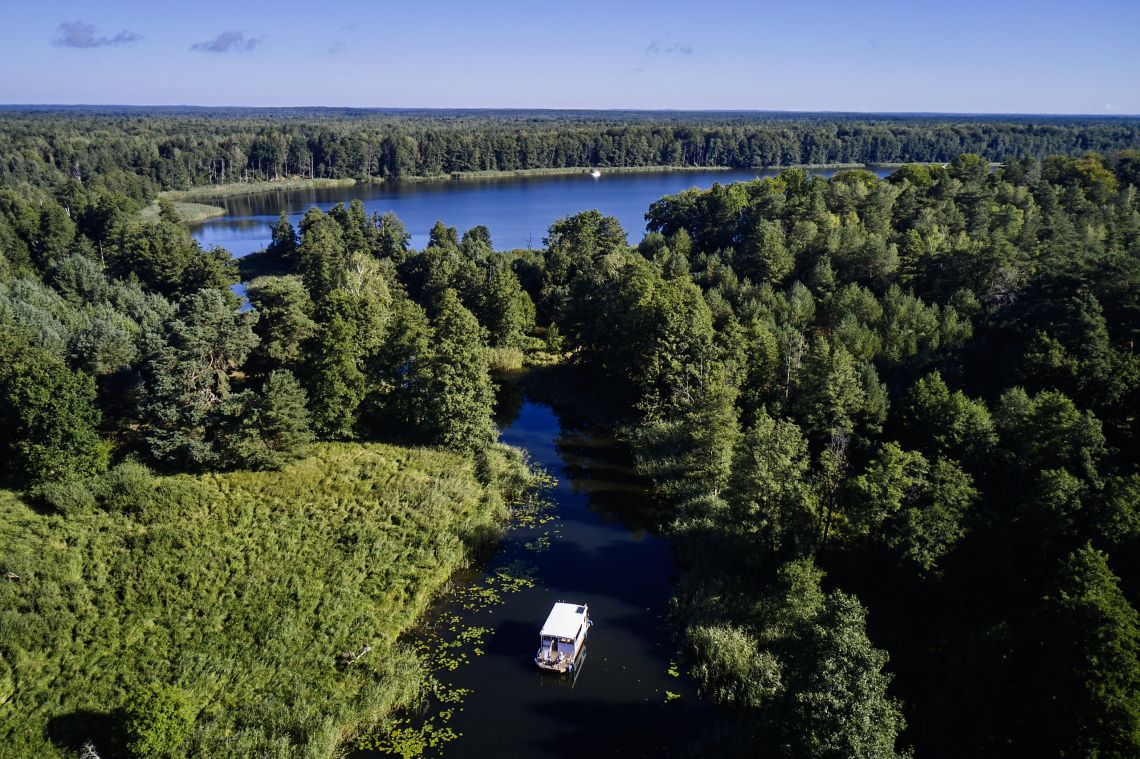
<point x="103" y="730"/>
<point x="625" y="730"/>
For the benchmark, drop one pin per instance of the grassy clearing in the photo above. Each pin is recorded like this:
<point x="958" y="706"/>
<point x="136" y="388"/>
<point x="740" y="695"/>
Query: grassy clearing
<point x="234" y="189"/>
<point x="191" y="213"/>
<point x="242" y="589"/>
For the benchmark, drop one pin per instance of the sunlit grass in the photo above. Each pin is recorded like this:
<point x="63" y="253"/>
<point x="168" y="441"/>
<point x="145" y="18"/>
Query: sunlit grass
<point x="189" y="212"/>
<point x="232" y="189"/>
<point x="240" y="588"/>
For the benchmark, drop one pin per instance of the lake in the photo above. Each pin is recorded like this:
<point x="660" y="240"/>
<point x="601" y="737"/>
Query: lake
<point x="517" y="210"/>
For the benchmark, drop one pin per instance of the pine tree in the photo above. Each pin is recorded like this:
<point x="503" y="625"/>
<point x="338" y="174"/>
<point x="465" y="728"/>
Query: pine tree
<point x="283" y="246"/>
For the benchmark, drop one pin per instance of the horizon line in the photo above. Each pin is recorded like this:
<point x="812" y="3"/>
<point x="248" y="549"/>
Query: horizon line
<point x="563" y="109"/>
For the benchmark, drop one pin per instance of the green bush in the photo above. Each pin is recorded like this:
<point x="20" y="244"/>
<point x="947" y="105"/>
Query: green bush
<point x="732" y="669"/>
<point x="157" y="720"/>
<point x="126" y="487"/>
<point x="67" y="496"/>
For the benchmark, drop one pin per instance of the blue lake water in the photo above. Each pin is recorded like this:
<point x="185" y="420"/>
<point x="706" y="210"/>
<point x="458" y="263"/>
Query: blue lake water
<point x="516" y="210"/>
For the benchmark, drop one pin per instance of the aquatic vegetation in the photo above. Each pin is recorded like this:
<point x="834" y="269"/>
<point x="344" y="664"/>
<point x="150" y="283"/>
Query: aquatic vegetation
<point x="408" y="740"/>
<point x="448" y="642"/>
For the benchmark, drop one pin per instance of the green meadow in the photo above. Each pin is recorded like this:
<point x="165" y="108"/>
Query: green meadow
<point x="242" y="590"/>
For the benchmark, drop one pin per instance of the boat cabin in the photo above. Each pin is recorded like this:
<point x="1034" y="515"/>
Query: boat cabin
<point x="562" y="637"/>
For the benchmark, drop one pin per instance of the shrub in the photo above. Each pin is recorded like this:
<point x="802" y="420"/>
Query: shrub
<point x="157" y="720"/>
<point x="732" y="669"/>
<point x="126" y="487"/>
<point x="66" y="496"/>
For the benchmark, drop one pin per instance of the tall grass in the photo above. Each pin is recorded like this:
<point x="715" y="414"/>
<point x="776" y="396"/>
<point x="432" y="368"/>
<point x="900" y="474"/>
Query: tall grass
<point x="242" y="589"/>
<point x="191" y="213"/>
<point x="233" y="189"/>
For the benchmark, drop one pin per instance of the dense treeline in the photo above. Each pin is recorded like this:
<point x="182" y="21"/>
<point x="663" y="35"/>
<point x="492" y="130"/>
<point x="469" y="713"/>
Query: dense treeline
<point x="900" y="411"/>
<point x="130" y="330"/>
<point x="143" y="150"/>
<point x="203" y="615"/>
<point x="895" y="419"/>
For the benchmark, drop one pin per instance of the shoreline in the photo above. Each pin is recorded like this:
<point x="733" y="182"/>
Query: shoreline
<point x="238" y="189"/>
<point x="191" y="213"/>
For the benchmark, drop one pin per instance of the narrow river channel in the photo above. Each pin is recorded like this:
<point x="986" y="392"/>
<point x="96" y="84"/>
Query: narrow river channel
<point x="604" y="550"/>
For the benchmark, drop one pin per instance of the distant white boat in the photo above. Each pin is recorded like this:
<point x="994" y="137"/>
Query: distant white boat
<point x="563" y="636"/>
<point x="595" y="173"/>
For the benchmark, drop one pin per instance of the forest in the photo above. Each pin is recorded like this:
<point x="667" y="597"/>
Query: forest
<point x="891" y="423"/>
<point x="142" y="150"/>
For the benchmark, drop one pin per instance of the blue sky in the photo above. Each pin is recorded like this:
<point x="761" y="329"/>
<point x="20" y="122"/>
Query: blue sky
<point x="962" y="57"/>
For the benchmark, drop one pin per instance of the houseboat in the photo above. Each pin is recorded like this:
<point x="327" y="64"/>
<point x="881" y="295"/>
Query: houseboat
<point x="562" y="637"/>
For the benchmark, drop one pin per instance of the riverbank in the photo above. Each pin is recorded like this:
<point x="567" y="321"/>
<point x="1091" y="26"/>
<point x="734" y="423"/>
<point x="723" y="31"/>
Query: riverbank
<point x="595" y="539"/>
<point x="191" y="213"/>
<point x="237" y="189"/>
<point x="460" y="176"/>
<point x="274" y="600"/>
<point x="217" y="192"/>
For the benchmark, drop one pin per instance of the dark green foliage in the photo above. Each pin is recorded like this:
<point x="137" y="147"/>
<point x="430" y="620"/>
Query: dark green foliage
<point x="504" y="308"/>
<point x="283" y="245"/>
<point x="770" y="494"/>
<point x="322" y="257"/>
<point x="922" y="295"/>
<point x="157" y="720"/>
<point x="840" y="706"/>
<point x="164" y="257"/>
<point x="1088" y="686"/>
<point x="915" y="508"/>
<point x="177" y="149"/>
<point x="334" y="380"/>
<point x="459" y="390"/>
<point x="284" y="310"/>
<point x="266" y="429"/>
<point x="67" y="496"/>
<point x="443" y="236"/>
<point x="942" y="423"/>
<point x="392" y="238"/>
<point x="763" y="254"/>
<point x="125" y="487"/>
<point x="799" y="667"/>
<point x="1048" y="431"/>
<point x="122" y="489"/>
<point x="687" y="450"/>
<point x="731" y="670"/>
<point x="48" y="418"/>
<point x="187" y="376"/>
<point x="925" y="384"/>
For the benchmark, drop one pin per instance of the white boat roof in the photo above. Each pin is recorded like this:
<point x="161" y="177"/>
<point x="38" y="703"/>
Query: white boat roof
<point x="564" y="620"/>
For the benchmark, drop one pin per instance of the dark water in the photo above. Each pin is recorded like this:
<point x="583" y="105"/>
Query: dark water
<point x="605" y="552"/>
<point x="517" y="211"/>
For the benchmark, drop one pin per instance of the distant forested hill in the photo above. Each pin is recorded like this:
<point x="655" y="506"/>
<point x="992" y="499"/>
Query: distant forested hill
<point x="147" y="149"/>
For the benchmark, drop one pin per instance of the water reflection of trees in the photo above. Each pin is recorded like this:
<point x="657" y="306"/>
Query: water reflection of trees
<point x="600" y="468"/>
<point x="509" y="399"/>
